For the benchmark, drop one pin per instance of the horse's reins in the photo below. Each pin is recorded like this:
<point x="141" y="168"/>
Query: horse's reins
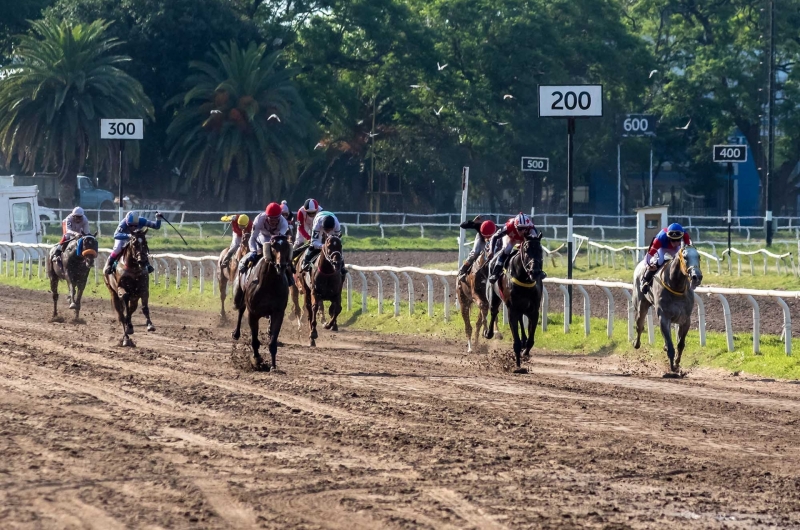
<point x="684" y="271"/>
<point x="328" y="255"/>
<point x="528" y="271"/>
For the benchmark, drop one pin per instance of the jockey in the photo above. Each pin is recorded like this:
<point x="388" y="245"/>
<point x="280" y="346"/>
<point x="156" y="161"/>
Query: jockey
<point x="514" y="232"/>
<point x="76" y="225"/>
<point x="240" y="225"/>
<point x="130" y="223"/>
<point x="305" y="222"/>
<point x="668" y="240"/>
<point x="486" y="230"/>
<point x="325" y="223"/>
<point x="287" y="214"/>
<point x="267" y="225"/>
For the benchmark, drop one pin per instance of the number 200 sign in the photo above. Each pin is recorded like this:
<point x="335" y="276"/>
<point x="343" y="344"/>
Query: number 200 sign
<point x="121" y="129"/>
<point x="570" y="101"/>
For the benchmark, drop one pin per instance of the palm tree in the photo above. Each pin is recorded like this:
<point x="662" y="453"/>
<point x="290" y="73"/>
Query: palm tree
<point x="63" y="81"/>
<point x="242" y="125"/>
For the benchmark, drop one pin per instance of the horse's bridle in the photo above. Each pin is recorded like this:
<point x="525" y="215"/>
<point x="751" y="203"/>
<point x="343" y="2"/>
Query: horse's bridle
<point x="530" y="266"/>
<point x="328" y="255"/>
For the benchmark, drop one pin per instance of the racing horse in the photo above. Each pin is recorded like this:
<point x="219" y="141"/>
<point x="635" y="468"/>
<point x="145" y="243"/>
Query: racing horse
<point x="75" y="263"/>
<point x="323" y="283"/>
<point x="471" y="289"/>
<point x="672" y="296"/>
<point x="520" y="288"/>
<point x="264" y="292"/>
<point x="226" y="275"/>
<point x="129" y="283"/>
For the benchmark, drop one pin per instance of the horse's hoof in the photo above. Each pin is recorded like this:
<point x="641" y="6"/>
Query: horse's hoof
<point x="57" y="318"/>
<point x="312" y="343"/>
<point x="335" y="328"/>
<point x="151" y="327"/>
<point x="129" y="330"/>
<point x="521" y="371"/>
<point x="671" y="375"/>
<point x="73" y="306"/>
<point x="78" y="320"/>
<point x="498" y="335"/>
<point x="257" y="363"/>
<point x="526" y="356"/>
<point x="127" y="342"/>
<point x="235" y="335"/>
<point x="327" y="325"/>
<point x="314" y="334"/>
<point x="637" y="344"/>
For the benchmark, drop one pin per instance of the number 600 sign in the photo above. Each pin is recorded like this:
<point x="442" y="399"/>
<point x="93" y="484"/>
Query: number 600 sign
<point x="121" y="129"/>
<point x="570" y="101"/>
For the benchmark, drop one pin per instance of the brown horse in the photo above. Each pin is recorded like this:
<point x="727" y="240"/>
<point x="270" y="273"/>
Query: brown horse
<point x="471" y="289"/>
<point x="323" y="283"/>
<point x="75" y="263"/>
<point x="229" y="274"/>
<point x="128" y="283"/>
<point x="264" y="292"/>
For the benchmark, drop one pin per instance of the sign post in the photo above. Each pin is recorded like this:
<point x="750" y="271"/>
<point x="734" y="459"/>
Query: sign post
<point x="464" y="194"/>
<point x="730" y="154"/>
<point x="535" y="164"/>
<point x="570" y="101"/>
<point x="121" y="129"/>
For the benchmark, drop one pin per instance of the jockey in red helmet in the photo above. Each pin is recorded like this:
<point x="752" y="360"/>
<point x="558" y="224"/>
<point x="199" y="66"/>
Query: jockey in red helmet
<point x="486" y="230"/>
<point x="305" y="221"/>
<point x="265" y="226"/>
<point x="514" y="232"/>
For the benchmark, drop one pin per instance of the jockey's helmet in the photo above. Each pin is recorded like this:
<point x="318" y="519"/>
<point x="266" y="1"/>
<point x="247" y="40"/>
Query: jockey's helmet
<point x="132" y="219"/>
<point x="311" y="207"/>
<point x="77" y="211"/>
<point x="273" y="214"/>
<point x="675" y="231"/>
<point x="329" y="223"/>
<point x="523" y="223"/>
<point x="488" y="228"/>
<point x="242" y="220"/>
<point x="285" y="209"/>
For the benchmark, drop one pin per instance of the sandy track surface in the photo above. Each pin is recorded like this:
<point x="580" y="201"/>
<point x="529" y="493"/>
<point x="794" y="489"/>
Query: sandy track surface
<point x="371" y="431"/>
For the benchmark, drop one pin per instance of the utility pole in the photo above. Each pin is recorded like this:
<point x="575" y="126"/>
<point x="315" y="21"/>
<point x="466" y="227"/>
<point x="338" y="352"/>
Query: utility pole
<point x="771" y="126"/>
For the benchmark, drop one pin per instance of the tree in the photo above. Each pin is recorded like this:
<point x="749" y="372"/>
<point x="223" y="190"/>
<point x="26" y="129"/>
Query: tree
<point x="65" y="80"/>
<point x="14" y="18"/>
<point x="242" y="125"/>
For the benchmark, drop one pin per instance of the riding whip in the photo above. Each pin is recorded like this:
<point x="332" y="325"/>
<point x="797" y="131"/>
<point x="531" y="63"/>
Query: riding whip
<point x="173" y="227"/>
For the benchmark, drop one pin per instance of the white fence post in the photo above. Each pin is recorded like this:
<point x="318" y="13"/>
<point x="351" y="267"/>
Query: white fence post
<point x="787" y="325"/>
<point x="610" y="324"/>
<point x="363" y="292"/>
<point x="446" y="298"/>
<point x="565" y="292"/>
<point x="410" y="293"/>
<point x="701" y="318"/>
<point x="430" y="295"/>
<point x="545" y="307"/>
<point x="726" y="311"/>
<point x="587" y="313"/>
<point x="380" y="292"/>
<point x="756" y="324"/>
<point x="396" y="281"/>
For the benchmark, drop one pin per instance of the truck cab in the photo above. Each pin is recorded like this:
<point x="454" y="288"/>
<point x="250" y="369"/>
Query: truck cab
<point x="94" y="198"/>
<point x="19" y="214"/>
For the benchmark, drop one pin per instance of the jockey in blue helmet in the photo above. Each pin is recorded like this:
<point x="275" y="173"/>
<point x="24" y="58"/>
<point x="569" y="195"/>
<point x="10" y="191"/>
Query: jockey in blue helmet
<point x="668" y="240"/>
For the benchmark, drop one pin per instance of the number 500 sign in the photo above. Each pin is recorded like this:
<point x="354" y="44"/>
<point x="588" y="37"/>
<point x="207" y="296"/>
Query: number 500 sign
<point x="570" y="101"/>
<point x="121" y="129"/>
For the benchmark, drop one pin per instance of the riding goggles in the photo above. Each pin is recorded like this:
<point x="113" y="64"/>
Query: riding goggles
<point x="675" y="234"/>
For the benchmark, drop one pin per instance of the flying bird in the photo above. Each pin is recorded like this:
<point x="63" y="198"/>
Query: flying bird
<point x="274" y="116"/>
<point x="437" y="112"/>
<point x="652" y="73"/>
<point x="318" y="146"/>
<point x="420" y="86"/>
<point x="216" y="112"/>
<point x="685" y="126"/>
<point x="372" y="135"/>
<point x="501" y="122"/>
<point x="441" y="66"/>
<point x="508" y="96"/>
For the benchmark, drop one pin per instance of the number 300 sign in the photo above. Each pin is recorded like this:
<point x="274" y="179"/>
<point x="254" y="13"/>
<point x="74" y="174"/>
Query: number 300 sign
<point x="570" y="101"/>
<point x="121" y="129"/>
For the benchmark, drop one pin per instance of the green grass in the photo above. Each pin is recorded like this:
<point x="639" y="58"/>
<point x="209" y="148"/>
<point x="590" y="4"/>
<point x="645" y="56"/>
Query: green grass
<point x="772" y="362"/>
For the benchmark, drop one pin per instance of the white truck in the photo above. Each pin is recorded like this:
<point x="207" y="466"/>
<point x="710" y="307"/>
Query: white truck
<point x="19" y="214"/>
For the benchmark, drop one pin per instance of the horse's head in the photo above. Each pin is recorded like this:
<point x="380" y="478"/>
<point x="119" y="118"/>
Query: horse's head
<point x="89" y="249"/>
<point x="138" y="246"/>
<point x="532" y="256"/>
<point x="332" y="251"/>
<point x="278" y="252"/>
<point x="690" y="265"/>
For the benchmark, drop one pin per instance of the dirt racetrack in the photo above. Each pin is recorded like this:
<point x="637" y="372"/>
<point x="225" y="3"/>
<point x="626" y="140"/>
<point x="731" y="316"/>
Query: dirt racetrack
<point x="371" y="431"/>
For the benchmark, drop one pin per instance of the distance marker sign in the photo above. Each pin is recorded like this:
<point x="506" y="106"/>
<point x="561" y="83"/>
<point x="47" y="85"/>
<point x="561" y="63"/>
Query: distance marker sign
<point x="637" y="125"/>
<point x="730" y="153"/>
<point x="535" y="163"/>
<point x="121" y="129"/>
<point x="570" y="101"/>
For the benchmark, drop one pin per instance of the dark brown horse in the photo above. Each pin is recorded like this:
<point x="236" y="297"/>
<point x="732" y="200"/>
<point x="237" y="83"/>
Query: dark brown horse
<point x="264" y="292"/>
<point x="323" y="284"/>
<point x="129" y="283"/>
<point x="226" y="275"/>
<point x="74" y="266"/>
<point x="471" y="289"/>
<point x="520" y="288"/>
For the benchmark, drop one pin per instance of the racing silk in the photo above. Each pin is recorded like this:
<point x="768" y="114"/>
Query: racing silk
<point x="235" y="226"/>
<point x="317" y="230"/>
<point x="123" y="231"/>
<point x="75" y="228"/>
<point x="262" y="232"/>
<point x="305" y="223"/>
<point x="663" y="242"/>
<point x="509" y="231"/>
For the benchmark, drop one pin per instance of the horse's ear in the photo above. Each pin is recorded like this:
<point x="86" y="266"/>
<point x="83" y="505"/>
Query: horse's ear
<point x="539" y="236"/>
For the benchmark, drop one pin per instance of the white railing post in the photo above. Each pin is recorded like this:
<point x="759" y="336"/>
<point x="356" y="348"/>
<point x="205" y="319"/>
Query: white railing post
<point x="363" y="292"/>
<point x="545" y="307"/>
<point x="349" y="292"/>
<point x="701" y="318"/>
<point x="380" y="292"/>
<point x="430" y="294"/>
<point x="631" y="316"/>
<point x="410" y="293"/>
<point x="586" y="310"/>
<point x="610" y="324"/>
<point x="787" y="325"/>
<point x="726" y="311"/>
<point x="446" y="298"/>
<point x="565" y="292"/>
<point x="396" y="281"/>
<point x="756" y="324"/>
<point x="650" y="331"/>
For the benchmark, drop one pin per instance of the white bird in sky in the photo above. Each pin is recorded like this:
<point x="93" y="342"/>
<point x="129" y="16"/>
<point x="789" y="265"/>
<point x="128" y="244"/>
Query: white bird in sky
<point x="652" y="73"/>
<point x="274" y="116"/>
<point x="216" y="111"/>
<point x="437" y="112"/>
<point x="373" y="135"/>
<point x="318" y="146"/>
<point x="420" y="86"/>
<point x="441" y="66"/>
<point x="508" y="96"/>
<point x="501" y="122"/>
<point x="685" y="126"/>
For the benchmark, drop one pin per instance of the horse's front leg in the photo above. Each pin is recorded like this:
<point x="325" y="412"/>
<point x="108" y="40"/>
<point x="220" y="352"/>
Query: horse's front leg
<point x="494" y="307"/>
<point x="223" y="293"/>
<point x="76" y="300"/>
<point x="666" y="332"/>
<point x="71" y="291"/>
<point x="533" y="319"/>
<point x="275" y="324"/>
<point x="311" y="313"/>
<point x="514" y="322"/>
<point x="54" y="289"/>
<point x="146" y="310"/>
<point x="683" y="330"/>
<point x="125" y="299"/>
<point x="335" y="310"/>
<point x="255" y="361"/>
<point x="465" y="304"/>
<point x="640" y="308"/>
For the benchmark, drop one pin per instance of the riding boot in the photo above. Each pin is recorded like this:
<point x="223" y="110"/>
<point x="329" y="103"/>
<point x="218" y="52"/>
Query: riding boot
<point x="246" y="262"/>
<point x="647" y="280"/>
<point x="227" y="259"/>
<point x="498" y="268"/>
<point x="465" y="268"/>
<point x="110" y="265"/>
<point x="57" y="253"/>
<point x="310" y="254"/>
